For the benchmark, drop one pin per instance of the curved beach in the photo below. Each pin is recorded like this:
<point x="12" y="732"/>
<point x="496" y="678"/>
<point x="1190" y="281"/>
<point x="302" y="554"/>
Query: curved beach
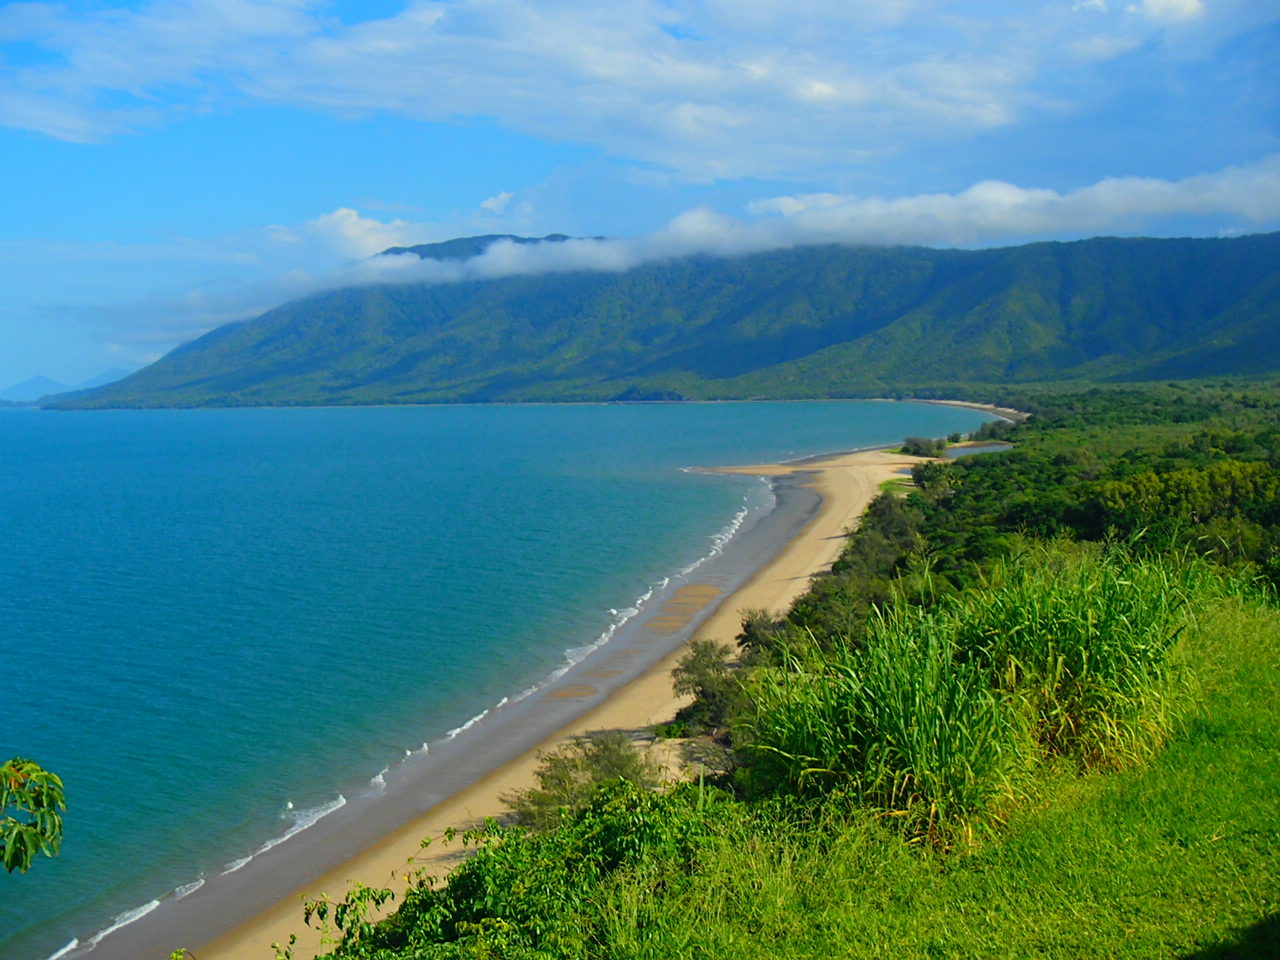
<point x="844" y="485"/>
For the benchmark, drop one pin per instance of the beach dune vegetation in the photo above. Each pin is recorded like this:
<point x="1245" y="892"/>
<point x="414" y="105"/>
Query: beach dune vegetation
<point x="704" y="673"/>
<point x="923" y="446"/>
<point x="934" y="716"/>
<point x="1085" y="645"/>
<point x="568" y="776"/>
<point x="900" y="725"/>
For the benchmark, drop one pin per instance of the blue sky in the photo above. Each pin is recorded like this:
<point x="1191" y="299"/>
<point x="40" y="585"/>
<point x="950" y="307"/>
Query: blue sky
<point x="172" y="165"/>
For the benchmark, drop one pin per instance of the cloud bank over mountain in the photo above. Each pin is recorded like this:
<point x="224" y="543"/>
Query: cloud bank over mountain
<point x="986" y="214"/>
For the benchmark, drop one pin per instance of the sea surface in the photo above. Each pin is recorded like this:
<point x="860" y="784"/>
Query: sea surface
<point x="218" y="625"/>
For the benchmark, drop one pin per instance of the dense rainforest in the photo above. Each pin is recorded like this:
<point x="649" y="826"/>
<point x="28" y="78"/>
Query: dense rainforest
<point x="1032" y="711"/>
<point x="813" y="321"/>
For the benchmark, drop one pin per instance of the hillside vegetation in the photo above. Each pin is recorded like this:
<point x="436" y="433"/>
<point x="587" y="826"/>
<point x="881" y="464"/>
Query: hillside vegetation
<point x="1033" y="711"/>
<point x="825" y="321"/>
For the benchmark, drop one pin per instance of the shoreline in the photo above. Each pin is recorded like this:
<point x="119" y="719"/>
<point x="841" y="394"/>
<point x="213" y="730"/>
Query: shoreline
<point x="1004" y="413"/>
<point x="843" y="484"/>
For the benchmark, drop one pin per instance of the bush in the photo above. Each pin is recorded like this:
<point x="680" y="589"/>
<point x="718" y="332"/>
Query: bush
<point x="569" y="776"/>
<point x="535" y="894"/>
<point x="933" y="716"/>
<point x="923" y="446"/>
<point x="704" y="673"/>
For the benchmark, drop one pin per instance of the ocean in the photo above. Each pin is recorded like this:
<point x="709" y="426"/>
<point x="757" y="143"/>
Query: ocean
<point x="222" y="625"/>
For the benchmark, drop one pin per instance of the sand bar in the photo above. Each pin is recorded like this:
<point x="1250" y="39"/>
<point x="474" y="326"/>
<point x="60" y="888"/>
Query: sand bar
<point x="1005" y="413"/>
<point x="831" y="493"/>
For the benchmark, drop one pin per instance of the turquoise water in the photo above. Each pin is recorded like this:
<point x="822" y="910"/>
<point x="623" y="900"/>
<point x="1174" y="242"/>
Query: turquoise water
<point x="216" y="622"/>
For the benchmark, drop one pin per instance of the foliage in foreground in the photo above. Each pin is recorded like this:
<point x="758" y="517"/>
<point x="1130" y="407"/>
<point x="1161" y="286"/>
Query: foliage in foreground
<point x="935" y="714"/>
<point x="1153" y="860"/>
<point x="31" y="805"/>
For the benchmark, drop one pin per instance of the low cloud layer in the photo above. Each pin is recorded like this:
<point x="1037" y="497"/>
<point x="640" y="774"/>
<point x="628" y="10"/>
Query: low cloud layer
<point x="987" y="213"/>
<point x="249" y="273"/>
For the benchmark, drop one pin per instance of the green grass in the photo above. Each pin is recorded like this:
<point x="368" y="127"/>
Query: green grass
<point x="933" y="716"/>
<point x="899" y="724"/>
<point x="1179" y="858"/>
<point x="1083" y="642"/>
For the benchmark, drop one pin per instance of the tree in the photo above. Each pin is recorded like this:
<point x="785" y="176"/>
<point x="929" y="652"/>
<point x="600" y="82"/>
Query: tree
<point x="923" y="446"/>
<point x="569" y="776"/>
<point x="31" y="805"/>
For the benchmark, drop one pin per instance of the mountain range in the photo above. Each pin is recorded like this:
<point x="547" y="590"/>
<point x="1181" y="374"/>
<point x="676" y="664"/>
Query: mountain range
<point x="32" y="389"/>
<point x="812" y="321"/>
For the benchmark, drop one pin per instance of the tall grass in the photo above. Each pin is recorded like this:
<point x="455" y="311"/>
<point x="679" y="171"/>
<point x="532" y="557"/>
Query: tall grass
<point x="900" y="723"/>
<point x="934" y="716"/>
<point x="1084" y="645"/>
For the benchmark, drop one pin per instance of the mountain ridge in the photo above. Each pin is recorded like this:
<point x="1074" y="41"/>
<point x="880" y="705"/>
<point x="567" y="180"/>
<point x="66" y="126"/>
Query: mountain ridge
<point x="824" y="320"/>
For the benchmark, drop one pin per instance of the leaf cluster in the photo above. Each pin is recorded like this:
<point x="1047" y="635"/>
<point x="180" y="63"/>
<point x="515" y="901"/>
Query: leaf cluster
<point x="32" y="801"/>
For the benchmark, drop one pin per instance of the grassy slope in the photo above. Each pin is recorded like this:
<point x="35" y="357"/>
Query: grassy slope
<point x="1178" y="859"/>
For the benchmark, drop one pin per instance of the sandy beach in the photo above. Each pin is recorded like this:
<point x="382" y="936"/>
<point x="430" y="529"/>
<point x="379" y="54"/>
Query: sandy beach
<point x="1006" y="413"/>
<point x="846" y="484"/>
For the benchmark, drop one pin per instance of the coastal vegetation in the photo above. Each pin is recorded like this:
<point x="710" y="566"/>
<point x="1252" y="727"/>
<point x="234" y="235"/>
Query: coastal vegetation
<point x="1033" y="710"/>
<point x="569" y="776"/>
<point x="813" y="321"/>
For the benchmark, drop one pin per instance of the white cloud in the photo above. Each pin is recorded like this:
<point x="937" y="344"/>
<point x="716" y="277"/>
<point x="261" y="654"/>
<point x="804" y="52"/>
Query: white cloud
<point x="986" y="213"/>
<point x="709" y="88"/>
<point x="348" y="233"/>
<point x="497" y="204"/>
<point x="993" y="211"/>
<point x="242" y="276"/>
<point x="1172" y="10"/>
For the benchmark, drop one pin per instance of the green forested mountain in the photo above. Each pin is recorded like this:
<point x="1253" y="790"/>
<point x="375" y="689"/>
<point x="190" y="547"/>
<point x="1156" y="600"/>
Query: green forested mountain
<point x="803" y="322"/>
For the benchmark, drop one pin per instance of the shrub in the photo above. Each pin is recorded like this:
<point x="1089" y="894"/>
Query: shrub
<point x="534" y="894"/>
<point x="933" y="716"/>
<point x="569" y="775"/>
<point x="923" y="446"/>
<point x="704" y="673"/>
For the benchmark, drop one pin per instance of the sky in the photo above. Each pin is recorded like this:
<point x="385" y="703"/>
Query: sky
<point x="172" y="165"/>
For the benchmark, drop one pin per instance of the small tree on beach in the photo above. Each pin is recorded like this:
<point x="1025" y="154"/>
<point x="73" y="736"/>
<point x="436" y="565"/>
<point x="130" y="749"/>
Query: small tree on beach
<point x="569" y="776"/>
<point x="704" y="673"/>
<point x="922" y="446"/>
